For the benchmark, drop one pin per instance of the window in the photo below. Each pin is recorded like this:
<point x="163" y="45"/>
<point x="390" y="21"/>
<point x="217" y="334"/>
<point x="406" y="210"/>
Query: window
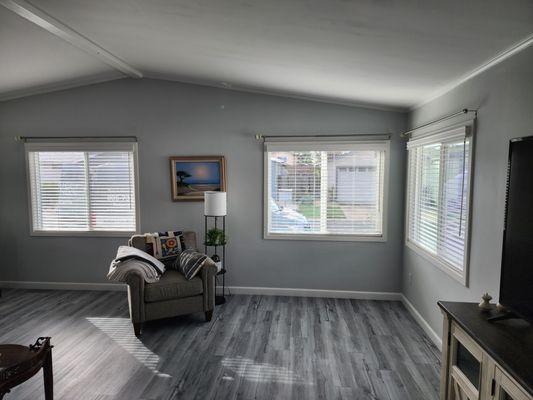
<point x="326" y="190"/>
<point x="438" y="199"/>
<point x="83" y="188"/>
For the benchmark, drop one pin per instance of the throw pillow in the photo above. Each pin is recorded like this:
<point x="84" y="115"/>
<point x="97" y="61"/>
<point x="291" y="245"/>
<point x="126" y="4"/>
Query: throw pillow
<point x="170" y="246"/>
<point x="165" y="246"/>
<point x="190" y="263"/>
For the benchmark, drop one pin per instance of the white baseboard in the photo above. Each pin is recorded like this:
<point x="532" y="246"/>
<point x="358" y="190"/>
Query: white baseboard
<point x="267" y="291"/>
<point x="435" y="338"/>
<point x="339" y="294"/>
<point x="62" y="285"/>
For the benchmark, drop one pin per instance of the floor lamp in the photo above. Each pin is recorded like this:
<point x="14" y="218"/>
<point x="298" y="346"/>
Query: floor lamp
<point x="214" y="214"/>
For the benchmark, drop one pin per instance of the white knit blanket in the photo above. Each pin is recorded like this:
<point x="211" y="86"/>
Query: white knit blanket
<point x="129" y="260"/>
<point x="120" y="270"/>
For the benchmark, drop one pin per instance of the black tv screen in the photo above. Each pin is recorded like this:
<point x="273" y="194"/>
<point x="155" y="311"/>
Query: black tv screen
<point x="516" y="284"/>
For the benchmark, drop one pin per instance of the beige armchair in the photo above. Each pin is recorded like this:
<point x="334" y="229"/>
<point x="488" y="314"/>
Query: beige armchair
<point x="172" y="295"/>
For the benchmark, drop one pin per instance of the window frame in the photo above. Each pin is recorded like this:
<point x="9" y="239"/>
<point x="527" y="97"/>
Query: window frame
<point x="311" y="145"/>
<point x="443" y="136"/>
<point x="82" y="146"/>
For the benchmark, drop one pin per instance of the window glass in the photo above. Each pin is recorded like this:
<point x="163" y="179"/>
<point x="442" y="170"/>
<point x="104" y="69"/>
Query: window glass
<point x="326" y="192"/>
<point x="82" y="191"/>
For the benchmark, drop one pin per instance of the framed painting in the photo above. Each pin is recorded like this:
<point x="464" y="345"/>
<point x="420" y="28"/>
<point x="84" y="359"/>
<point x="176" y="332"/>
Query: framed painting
<point x="192" y="176"/>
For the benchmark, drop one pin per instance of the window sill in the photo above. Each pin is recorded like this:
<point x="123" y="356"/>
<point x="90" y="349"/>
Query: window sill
<point x="324" y="237"/>
<point x="81" y="234"/>
<point x="444" y="266"/>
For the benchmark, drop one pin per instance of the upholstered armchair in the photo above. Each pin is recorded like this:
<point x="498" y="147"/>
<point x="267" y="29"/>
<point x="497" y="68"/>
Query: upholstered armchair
<point x="172" y="295"/>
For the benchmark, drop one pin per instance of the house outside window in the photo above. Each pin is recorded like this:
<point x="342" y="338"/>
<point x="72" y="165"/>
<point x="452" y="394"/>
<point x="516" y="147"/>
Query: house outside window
<point x="326" y="190"/>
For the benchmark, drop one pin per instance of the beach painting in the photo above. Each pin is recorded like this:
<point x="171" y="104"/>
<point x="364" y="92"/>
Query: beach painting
<point x="192" y="176"/>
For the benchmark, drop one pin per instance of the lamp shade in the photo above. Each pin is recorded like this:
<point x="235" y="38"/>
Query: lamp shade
<point x="215" y="204"/>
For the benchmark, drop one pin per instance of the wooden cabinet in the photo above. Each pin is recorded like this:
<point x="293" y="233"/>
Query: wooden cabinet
<point x="506" y="388"/>
<point x="471" y="370"/>
<point x="466" y="361"/>
<point x="472" y="374"/>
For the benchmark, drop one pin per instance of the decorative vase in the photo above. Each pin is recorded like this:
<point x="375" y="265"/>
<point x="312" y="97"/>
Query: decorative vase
<point x="217" y="261"/>
<point x="485" y="302"/>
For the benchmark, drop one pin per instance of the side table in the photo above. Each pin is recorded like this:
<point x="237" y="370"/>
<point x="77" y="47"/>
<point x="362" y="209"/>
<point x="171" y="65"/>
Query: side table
<point x="19" y="363"/>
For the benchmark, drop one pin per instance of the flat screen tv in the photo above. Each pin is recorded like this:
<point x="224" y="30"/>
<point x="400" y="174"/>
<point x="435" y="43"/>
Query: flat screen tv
<point x="516" y="284"/>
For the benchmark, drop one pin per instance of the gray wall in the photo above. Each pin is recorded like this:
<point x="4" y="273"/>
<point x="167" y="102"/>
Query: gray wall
<point x="180" y="119"/>
<point x="504" y="97"/>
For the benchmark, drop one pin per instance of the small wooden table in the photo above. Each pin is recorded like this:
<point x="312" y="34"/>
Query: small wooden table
<point x="19" y="363"/>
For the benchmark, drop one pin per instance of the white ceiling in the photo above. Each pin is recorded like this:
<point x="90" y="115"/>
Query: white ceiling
<point x="393" y="53"/>
<point x="31" y="58"/>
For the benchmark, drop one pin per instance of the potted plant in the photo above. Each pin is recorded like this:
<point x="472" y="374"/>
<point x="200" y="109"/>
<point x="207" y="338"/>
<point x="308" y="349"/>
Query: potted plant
<point x="215" y="237"/>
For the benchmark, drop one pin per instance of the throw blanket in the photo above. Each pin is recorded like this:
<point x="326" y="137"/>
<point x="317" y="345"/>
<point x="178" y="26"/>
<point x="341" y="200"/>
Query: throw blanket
<point x="130" y="259"/>
<point x="119" y="271"/>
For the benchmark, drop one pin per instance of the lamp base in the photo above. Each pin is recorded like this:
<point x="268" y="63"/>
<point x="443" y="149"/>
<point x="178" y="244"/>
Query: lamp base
<point x="219" y="300"/>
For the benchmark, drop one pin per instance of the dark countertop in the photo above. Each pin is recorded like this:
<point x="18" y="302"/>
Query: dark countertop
<point x="509" y="342"/>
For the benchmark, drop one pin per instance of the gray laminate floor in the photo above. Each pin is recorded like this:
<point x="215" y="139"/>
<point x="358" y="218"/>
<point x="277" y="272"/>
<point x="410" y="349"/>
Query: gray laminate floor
<point x="256" y="347"/>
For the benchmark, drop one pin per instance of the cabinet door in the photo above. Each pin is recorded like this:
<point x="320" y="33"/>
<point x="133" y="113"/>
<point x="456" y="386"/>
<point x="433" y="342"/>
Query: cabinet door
<point x="507" y="388"/>
<point x="465" y="366"/>
<point x="461" y="389"/>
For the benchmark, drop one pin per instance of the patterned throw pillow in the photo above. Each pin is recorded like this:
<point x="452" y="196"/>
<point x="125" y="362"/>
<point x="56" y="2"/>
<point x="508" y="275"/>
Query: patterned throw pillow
<point x="190" y="262"/>
<point x="170" y="246"/>
<point x="165" y="246"/>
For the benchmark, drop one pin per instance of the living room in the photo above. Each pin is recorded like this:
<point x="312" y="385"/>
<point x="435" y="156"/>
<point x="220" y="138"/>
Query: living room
<point x="350" y="161"/>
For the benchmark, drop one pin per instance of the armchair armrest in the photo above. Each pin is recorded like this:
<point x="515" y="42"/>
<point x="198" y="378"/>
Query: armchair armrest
<point x="208" y="273"/>
<point x="135" y="282"/>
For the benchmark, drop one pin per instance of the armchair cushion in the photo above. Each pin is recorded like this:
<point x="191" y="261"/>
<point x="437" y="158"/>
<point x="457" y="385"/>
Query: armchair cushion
<point x="172" y="285"/>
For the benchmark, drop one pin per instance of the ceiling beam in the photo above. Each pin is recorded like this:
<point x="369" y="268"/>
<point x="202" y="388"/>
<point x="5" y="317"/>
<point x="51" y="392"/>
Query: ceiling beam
<point x="59" y="29"/>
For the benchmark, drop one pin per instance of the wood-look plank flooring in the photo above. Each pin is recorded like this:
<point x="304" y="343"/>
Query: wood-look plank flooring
<point x="256" y="347"/>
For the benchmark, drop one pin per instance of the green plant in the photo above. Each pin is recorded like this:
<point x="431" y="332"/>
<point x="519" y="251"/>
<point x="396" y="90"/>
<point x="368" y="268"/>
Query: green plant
<point x="215" y="237"/>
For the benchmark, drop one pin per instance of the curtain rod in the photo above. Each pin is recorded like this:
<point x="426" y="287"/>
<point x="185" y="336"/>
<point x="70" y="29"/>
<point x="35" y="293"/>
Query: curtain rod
<point x="462" y="112"/>
<point x="26" y="138"/>
<point x="260" y="136"/>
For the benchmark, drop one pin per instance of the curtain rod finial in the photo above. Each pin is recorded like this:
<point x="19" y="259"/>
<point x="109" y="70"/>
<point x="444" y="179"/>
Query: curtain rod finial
<point x="259" y="136"/>
<point x="18" y="138"/>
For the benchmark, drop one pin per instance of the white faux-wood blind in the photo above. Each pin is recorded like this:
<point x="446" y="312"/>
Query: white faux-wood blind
<point x="438" y="196"/>
<point x="330" y="190"/>
<point x="83" y="188"/>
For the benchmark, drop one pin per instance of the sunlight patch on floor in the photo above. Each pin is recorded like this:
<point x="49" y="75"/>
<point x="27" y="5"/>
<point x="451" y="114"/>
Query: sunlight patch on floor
<point x="261" y="372"/>
<point x="121" y="331"/>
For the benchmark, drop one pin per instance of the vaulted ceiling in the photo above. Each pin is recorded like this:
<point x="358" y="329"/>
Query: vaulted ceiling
<point x="392" y="53"/>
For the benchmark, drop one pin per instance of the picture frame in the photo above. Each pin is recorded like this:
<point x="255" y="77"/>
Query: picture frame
<point x="192" y="176"/>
